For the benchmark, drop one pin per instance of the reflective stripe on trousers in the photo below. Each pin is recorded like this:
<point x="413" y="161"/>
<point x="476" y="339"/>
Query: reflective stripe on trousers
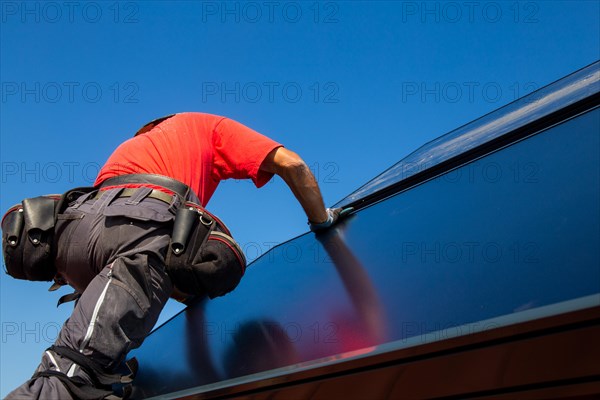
<point x="121" y="304"/>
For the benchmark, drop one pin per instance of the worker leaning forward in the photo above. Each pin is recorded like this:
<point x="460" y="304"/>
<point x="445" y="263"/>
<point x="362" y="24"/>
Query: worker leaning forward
<point x="138" y="237"/>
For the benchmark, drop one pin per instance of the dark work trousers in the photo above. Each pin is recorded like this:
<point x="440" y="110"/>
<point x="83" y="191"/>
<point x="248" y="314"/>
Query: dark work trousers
<point x="112" y="251"/>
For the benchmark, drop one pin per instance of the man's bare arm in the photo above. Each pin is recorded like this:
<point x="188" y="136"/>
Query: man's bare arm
<point x="296" y="174"/>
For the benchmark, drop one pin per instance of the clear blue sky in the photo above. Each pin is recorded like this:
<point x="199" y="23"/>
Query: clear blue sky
<point x="351" y="86"/>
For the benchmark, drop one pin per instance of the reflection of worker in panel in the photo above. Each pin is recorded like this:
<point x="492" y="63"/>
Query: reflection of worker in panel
<point x="139" y="236"/>
<point x="368" y="322"/>
<point x="262" y="344"/>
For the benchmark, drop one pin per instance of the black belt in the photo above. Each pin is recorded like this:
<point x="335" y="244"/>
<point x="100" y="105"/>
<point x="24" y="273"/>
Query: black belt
<point x="151" y="179"/>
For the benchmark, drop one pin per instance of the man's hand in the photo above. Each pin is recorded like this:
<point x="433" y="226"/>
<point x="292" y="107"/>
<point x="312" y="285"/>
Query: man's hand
<point x="334" y="215"/>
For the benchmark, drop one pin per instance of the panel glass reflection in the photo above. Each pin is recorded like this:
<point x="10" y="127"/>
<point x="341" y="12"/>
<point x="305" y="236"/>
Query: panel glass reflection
<point x="577" y="86"/>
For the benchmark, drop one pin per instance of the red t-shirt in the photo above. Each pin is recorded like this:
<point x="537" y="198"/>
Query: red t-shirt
<point x="197" y="149"/>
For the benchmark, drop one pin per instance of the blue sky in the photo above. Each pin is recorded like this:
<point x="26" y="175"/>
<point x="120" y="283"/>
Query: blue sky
<point x="351" y="86"/>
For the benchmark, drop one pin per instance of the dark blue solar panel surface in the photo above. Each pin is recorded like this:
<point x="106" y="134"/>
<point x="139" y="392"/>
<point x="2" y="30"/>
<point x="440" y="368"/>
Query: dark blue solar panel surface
<point x="513" y="231"/>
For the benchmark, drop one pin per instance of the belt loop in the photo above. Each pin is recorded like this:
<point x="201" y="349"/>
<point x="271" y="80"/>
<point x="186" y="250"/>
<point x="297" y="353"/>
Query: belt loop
<point x="82" y="199"/>
<point x="105" y="199"/>
<point x="191" y="196"/>
<point x="139" y="195"/>
<point x="176" y="202"/>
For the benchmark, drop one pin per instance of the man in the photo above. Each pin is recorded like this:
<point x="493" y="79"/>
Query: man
<point x="112" y="244"/>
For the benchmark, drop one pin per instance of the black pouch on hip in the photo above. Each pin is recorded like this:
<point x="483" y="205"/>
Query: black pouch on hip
<point x="203" y="258"/>
<point x="27" y="237"/>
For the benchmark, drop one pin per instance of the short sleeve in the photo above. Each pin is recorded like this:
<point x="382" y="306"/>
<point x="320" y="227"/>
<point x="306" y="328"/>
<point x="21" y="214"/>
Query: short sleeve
<point x="239" y="152"/>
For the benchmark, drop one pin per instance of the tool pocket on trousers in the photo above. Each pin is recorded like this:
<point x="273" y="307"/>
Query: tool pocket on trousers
<point x="219" y="265"/>
<point x="66" y="225"/>
<point x="212" y="267"/>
